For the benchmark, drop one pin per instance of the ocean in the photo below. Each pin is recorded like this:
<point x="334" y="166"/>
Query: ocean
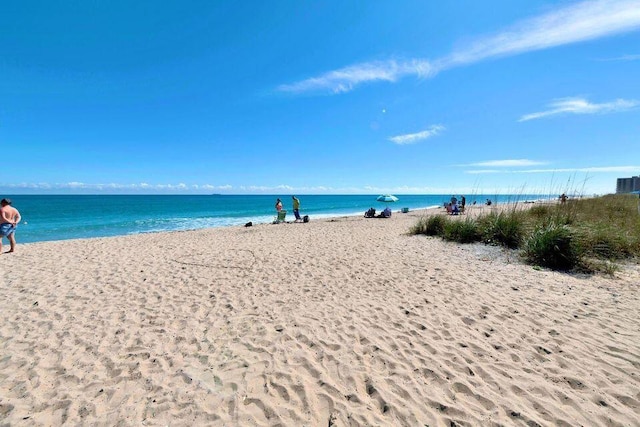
<point x="62" y="217"/>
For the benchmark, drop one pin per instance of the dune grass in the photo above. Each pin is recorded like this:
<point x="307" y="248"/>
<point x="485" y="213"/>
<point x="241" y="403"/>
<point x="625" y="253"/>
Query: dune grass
<point x="580" y="235"/>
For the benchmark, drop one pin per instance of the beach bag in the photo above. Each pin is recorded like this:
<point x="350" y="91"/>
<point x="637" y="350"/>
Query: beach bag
<point x="305" y="218"/>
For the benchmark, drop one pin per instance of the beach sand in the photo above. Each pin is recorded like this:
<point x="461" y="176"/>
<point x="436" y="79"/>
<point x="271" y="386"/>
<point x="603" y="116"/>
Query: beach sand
<point x="341" y="322"/>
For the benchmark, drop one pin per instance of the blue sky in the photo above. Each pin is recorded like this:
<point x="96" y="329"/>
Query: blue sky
<point x="319" y="97"/>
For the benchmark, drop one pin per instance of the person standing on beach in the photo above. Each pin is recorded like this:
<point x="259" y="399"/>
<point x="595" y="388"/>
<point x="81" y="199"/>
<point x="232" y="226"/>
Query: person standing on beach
<point x="463" y="202"/>
<point x="296" y="208"/>
<point x="10" y="217"/>
<point x="278" y="205"/>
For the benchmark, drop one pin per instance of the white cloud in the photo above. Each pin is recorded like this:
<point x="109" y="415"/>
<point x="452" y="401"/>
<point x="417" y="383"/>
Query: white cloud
<point x="599" y="169"/>
<point x="581" y="106"/>
<point x="485" y="171"/>
<point x="623" y="58"/>
<point x="415" y="137"/>
<point x="114" y="187"/>
<point x="579" y="22"/>
<point x="146" y="188"/>
<point x="507" y="163"/>
<point x="345" y="79"/>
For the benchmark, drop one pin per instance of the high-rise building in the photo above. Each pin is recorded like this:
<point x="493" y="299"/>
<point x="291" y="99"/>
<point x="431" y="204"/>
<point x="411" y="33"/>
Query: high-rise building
<point x="627" y="185"/>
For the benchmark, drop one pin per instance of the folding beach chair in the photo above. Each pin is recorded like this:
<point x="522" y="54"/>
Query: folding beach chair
<point x="281" y="217"/>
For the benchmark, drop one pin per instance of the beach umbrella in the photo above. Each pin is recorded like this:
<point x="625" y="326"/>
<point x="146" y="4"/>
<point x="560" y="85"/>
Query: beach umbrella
<point x="387" y="198"/>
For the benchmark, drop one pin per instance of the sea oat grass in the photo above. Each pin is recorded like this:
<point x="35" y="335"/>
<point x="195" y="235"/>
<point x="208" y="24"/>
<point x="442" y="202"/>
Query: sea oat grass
<point x="465" y="231"/>
<point x="431" y="226"/>
<point x="552" y="246"/>
<point x="504" y="228"/>
<point x="581" y="234"/>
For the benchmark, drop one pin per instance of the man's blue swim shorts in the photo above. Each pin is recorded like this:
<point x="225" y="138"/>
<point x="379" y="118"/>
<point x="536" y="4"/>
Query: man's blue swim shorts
<point x="6" y="228"/>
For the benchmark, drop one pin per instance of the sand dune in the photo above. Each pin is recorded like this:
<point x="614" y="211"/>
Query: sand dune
<point x="344" y="322"/>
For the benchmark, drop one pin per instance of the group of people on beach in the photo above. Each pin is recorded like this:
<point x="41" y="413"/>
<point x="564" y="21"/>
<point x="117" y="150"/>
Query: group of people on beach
<point x="296" y="207"/>
<point x="453" y="207"/>
<point x="10" y="217"/>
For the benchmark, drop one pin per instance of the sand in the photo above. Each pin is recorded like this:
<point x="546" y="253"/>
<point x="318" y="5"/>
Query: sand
<point x="343" y="322"/>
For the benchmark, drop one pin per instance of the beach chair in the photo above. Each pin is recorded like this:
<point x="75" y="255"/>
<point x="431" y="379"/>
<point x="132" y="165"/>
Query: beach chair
<point x="281" y="217"/>
<point x="449" y="209"/>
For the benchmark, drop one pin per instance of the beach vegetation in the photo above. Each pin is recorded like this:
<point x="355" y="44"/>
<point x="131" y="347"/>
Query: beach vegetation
<point x="431" y="226"/>
<point x="504" y="228"/>
<point x="465" y="231"/>
<point x="552" y="246"/>
<point x="582" y="234"/>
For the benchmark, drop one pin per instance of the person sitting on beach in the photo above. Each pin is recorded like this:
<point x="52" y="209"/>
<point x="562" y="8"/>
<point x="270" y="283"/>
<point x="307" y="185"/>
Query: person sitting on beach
<point x="278" y="205"/>
<point x="9" y="219"/>
<point x="371" y="213"/>
<point x="448" y="207"/>
<point x="386" y="213"/>
<point x="454" y="209"/>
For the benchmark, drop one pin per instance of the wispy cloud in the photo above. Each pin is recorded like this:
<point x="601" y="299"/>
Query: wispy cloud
<point x="345" y="79"/>
<point x="114" y="187"/>
<point x="600" y="169"/>
<point x="147" y="188"/>
<point x="576" y="23"/>
<point x="412" y="138"/>
<point x="513" y="163"/>
<point x="581" y="106"/>
<point x="579" y="22"/>
<point x="622" y="58"/>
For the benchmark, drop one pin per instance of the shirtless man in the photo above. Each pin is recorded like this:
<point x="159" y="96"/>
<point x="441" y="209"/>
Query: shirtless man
<point x="10" y="217"/>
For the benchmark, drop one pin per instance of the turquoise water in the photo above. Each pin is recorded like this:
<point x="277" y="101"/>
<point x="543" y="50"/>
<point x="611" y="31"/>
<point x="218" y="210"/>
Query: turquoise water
<point x="64" y="217"/>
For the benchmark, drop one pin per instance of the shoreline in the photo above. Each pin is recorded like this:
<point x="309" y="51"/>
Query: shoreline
<point x="319" y="217"/>
<point x="95" y="216"/>
<point x="341" y="321"/>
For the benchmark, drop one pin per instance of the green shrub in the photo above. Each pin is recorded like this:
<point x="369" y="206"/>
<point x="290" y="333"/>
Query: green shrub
<point x="435" y="225"/>
<point x="462" y="231"/>
<point x="505" y="228"/>
<point x="431" y="226"/>
<point x="606" y="243"/>
<point x="419" y="227"/>
<point x="552" y="246"/>
<point x="540" y="211"/>
<point x="580" y="235"/>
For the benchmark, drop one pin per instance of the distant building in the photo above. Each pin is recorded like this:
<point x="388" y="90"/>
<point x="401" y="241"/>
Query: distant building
<point x="627" y="185"/>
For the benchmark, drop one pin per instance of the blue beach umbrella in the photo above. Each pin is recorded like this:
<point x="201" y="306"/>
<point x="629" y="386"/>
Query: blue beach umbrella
<point x="387" y="198"/>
